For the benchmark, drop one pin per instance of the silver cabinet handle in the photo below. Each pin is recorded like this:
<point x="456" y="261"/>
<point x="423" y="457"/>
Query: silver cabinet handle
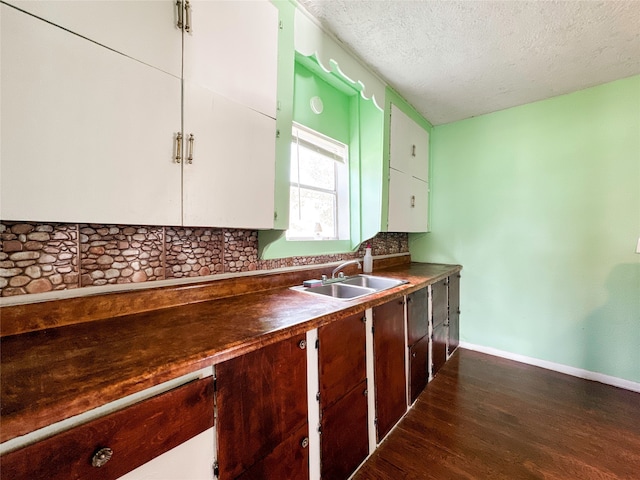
<point x="179" y="7"/>
<point x="190" y="149"/>
<point x="413" y="201"/>
<point x="178" y="147"/>
<point x="187" y="9"/>
<point x="101" y="457"/>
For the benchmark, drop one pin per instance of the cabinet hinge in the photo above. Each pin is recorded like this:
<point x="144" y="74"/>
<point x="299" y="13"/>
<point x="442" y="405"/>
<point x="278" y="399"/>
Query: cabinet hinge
<point x="317" y="343"/>
<point x="216" y="470"/>
<point x="318" y="396"/>
<point x="277" y="133"/>
<point x="373" y="330"/>
<point x="215" y="383"/>
<point x="280" y="25"/>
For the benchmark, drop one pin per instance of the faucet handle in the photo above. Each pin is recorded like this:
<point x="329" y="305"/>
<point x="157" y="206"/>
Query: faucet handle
<point x="324" y="278"/>
<point x="341" y="275"/>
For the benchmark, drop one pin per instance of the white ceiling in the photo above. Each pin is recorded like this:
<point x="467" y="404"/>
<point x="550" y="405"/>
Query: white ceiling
<point x="457" y="59"/>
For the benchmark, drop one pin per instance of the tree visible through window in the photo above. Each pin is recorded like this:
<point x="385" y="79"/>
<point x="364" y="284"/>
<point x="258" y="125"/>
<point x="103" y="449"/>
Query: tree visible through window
<point x="319" y="187"/>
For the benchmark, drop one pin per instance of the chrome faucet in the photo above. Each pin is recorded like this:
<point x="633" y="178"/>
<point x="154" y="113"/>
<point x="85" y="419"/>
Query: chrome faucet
<point x="340" y="267"/>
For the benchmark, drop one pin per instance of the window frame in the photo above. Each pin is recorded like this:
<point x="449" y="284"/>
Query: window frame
<point x="332" y="149"/>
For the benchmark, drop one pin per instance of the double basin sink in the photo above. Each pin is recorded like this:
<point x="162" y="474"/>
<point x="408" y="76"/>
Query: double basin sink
<point x="351" y="287"/>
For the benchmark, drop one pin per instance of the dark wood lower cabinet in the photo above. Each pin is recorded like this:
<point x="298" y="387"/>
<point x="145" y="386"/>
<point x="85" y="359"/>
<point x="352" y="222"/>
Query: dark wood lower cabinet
<point x="262" y="411"/>
<point x="344" y="437"/>
<point x="134" y="435"/>
<point x="344" y="441"/>
<point x="418" y="368"/>
<point x="389" y="365"/>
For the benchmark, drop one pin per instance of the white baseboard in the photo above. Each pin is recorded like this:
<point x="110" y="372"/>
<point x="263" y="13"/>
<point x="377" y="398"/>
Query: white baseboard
<point x="558" y="367"/>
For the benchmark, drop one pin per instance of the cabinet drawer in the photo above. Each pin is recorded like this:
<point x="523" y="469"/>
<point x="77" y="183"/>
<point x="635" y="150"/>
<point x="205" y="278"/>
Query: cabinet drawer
<point x="135" y="435"/>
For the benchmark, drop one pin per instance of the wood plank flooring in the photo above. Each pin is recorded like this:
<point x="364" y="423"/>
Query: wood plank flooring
<point x="484" y="417"/>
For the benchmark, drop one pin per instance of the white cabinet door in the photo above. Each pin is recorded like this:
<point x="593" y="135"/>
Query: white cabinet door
<point x="87" y="133"/>
<point x="144" y="30"/>
<point x="232" y="49"/>
<point x="408" y="203"/>
<point x="230" y="182"/>
<point x="409" y="145"/>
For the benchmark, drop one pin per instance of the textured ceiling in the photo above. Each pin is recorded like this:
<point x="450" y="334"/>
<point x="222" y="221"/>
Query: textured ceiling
<point x="458" y="59"/>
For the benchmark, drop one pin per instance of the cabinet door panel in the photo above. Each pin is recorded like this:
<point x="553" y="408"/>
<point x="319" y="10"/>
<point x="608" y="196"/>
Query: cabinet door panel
<point x="262" y="401"/>
<point x="288" y="460"/>
<point x="389" y="358"/>
<point x="439" y="351"/>
<point x="408" y="203"/>
<point x="87" y="133"/>
<point x="344" y="439"/>
<point x="409" y="145"/>
<point x="417" y="315"/>
<point x="342" y="358"/>
<point x="418" y="372"/>
<point x="231" y="180"/>
<point x="454" y="312"/>
<point x="233" y="51"/>
<point x="440" y="301"/>
<point x="142" y="30"/>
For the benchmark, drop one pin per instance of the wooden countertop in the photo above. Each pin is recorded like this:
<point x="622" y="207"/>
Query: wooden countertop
<point x="52" y="374"/>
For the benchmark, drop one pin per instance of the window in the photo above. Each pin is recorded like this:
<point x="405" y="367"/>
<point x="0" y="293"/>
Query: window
<point x="319" y="187"/>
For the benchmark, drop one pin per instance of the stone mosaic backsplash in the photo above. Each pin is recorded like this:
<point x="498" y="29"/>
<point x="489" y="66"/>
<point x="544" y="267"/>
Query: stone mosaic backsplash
<point x="42" y="257"/>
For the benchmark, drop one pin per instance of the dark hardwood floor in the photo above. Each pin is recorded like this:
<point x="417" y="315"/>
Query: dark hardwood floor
<point x="484" y="417"/>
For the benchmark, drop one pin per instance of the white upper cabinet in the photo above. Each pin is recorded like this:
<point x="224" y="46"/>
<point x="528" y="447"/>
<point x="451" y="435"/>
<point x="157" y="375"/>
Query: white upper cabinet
<point x="87" y="133"/>
<point x="230" y="80"/>
<point x="408" y="174"/>
<point x="144" y="30"/>
<point x="101" y="125"/>
<point x="409" y="145"/>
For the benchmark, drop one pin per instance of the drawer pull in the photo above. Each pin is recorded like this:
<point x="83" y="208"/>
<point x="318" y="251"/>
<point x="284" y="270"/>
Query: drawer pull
<point x="101" y="457"/>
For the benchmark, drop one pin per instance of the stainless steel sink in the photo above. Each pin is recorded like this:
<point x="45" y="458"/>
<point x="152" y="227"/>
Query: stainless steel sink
<point x="351" y="287"/>
<point x="337" y="290"/>
<point x="370" y="281"/>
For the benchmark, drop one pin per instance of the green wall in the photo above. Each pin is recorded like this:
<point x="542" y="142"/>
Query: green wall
<point x="335" y="121"/>
<point x="541" y="206"/>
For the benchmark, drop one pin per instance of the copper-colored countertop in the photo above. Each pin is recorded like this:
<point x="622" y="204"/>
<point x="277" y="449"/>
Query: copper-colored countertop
<point x="52" y="374"/>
